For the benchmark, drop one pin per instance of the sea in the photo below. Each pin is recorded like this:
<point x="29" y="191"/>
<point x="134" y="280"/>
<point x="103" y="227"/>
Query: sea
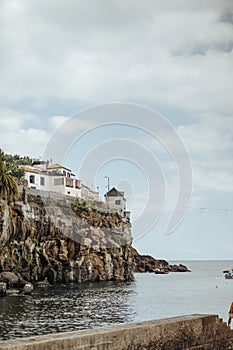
<point x="204" y="290"/>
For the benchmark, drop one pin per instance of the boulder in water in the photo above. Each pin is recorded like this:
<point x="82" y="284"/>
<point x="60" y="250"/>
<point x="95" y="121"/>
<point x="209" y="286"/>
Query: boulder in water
<point x="12" y="280"/>
<point x="44" y="283"/>
<point x="2" y="289"/>
<point x="27" y="289"/>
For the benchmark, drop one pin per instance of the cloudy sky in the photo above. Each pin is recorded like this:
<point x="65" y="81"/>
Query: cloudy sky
<point x="174" y="56"/>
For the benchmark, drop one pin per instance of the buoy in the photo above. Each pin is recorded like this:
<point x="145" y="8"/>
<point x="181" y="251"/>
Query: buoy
<point x="216" y="286"/>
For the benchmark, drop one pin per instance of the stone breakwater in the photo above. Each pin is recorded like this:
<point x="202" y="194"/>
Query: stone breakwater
<point x="188" y="332"/>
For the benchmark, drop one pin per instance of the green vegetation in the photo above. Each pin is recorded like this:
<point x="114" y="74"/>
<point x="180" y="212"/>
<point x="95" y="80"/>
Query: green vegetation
<point x="82" y="204"/>
<point x="15" y="171"/>
<point x="79" y="204"/>
<point x="8" y="184"/>
<point x="16" y="159"/>
<point x="12" y="161"/>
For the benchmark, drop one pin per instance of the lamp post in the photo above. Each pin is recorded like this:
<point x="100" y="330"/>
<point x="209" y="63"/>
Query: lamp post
<point x="108" y="187"/>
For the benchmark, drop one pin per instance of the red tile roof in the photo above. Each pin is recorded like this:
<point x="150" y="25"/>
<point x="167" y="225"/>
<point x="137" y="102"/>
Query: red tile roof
<point x="57" y="166"/>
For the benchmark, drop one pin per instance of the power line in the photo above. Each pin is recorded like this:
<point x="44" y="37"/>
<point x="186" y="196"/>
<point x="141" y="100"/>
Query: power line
<point x="203" y="210"/>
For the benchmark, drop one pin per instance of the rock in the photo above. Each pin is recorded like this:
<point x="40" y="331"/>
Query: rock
<point x="43" y="284"/>
<point x="179" y="268"/>
<point x="63" y="245"/>
<point x="10" y="278"/>
<point x="27" y="289"/>
<point x="2" y="289"/>
<point x="146" y="263"/>
<point x="13" y="291"/>
<point x="51" y="275"/>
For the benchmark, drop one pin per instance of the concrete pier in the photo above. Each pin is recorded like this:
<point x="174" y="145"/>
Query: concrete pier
<point x="188" y="332"/>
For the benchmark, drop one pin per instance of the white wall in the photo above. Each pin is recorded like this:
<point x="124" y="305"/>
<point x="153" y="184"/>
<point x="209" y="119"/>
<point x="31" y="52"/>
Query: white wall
<point x="75" y="192"/>
<point x="51" y="184"/>
<point x="111" y="202"/>
<point x="37" y="183"/>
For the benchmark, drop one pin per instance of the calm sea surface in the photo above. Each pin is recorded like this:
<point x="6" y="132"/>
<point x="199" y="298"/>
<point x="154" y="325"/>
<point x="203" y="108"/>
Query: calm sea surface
<point x="149" y="296"/>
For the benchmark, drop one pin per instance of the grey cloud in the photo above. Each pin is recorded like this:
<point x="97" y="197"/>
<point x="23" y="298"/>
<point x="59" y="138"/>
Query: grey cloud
<point x="100" y="51"/>
<point x="202" y="49"/>
<point x="227" y="17"/>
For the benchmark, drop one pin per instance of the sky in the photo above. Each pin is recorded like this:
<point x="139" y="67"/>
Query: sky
<point x="174" y="57"/>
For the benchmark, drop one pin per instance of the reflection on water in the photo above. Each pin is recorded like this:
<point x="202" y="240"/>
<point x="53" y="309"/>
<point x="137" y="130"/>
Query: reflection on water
<point x="65" y="309"/>
<point x="150" y="296"/>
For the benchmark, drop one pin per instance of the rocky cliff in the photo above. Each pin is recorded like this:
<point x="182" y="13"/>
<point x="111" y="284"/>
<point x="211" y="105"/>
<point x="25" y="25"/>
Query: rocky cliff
<point x="56" y="240"/>
<point x="48" y="239"/>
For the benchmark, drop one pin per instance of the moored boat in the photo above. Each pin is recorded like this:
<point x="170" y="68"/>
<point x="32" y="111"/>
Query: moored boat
<point x="228" y="274"/>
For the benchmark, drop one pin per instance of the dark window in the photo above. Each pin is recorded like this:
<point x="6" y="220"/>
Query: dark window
<point x="118" y="202"/>
<point x="32" y="179"/>
<point x="42" y="181"/>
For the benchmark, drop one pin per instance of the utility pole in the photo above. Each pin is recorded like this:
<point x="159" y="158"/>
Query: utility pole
<point x="108" y="186"/>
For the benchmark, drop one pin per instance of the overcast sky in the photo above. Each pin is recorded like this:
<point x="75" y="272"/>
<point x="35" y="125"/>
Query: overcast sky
<point x="176" y="57"/>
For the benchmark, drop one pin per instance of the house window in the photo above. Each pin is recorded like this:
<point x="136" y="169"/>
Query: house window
<point x="118" y="202"/>
<point x="58" y="182"/>
<point x="32" y="179"/>
<point x="42" y="181"/>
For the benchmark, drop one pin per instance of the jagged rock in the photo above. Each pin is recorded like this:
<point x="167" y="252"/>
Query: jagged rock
<point x="2" y="289"/>
<point x="146" y="263"/>
<point x="27" y="289"/>
<point x="179" y="268"/>
<point x="10" y="278"/>
<point x="43" y="284"/>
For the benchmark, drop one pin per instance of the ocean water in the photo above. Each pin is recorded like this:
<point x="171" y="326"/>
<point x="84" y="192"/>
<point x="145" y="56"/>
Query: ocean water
<point x="149" y="296"/>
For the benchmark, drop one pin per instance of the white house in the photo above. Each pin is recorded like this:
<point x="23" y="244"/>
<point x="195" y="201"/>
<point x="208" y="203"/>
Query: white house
<point x="115" y="200"/>
<point x="54" y="178"/>
<point x="89" y="194"/>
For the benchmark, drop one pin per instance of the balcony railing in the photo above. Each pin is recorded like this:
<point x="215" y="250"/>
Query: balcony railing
<point x="73" y="183"/>
<point x="78" y="184"/>
<point x="69" y="182"/>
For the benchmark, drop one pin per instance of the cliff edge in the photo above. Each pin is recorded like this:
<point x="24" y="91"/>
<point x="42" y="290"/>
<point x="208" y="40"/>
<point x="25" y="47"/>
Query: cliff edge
<point x="61" y="241"/>
<point x="46" y="238"/>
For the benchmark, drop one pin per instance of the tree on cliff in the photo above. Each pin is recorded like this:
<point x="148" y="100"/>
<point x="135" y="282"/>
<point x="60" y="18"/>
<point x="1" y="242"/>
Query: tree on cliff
<point x="8" y="185"/>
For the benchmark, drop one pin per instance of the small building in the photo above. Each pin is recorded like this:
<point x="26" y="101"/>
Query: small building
<point x="89" y="194"/>
<point x="115" y="200"/>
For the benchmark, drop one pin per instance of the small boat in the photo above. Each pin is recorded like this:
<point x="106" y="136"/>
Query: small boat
<point x="228" y="274"/>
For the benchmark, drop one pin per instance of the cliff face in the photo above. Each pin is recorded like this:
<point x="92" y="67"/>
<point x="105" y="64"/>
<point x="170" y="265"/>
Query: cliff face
<point x="40" y="239"/>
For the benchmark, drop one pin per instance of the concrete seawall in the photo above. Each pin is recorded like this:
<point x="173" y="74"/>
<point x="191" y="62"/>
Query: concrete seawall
<point x="188" y="332"/>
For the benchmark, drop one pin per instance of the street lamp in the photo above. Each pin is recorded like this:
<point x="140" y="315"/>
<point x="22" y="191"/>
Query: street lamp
<point x="107" y="177"/>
